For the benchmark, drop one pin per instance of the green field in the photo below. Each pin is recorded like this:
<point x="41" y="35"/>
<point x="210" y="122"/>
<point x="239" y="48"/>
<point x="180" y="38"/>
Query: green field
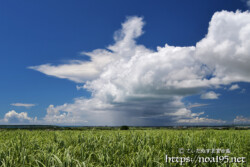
<point x="21" y="148"/>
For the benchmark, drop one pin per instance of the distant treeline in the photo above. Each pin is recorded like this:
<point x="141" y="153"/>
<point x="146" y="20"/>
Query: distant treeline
<point x="53" y="127"/>
<point x="29" y="127"/>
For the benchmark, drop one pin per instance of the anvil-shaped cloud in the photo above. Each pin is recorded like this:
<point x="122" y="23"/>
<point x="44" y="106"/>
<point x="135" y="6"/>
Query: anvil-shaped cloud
<point x="131" y="84"/>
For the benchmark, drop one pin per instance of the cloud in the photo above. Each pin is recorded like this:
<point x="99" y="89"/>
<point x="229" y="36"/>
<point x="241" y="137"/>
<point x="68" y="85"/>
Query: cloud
<point x="241" y="120"/>
<point x="23" y="105"/>
<point x="210" y="95"/>
<point x="203" y="120"/>
<point x="131" y="84"/>
<point x="196" y="105"/>
<point x="224" y="49"/>
<point x="234" y="87"/>
<point x="14" y="117"/>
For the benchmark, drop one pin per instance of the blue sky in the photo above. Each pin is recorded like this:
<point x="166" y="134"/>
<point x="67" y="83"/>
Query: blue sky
<point x="56" y="33"/>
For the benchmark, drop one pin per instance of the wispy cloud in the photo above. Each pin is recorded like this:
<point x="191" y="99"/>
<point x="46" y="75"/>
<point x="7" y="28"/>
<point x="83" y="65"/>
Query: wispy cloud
<point x="243" y="91"/>
<point x="23" y="105"/>
<point x="202" y="120"/>
<point x="196" y="105"/>
<point x="242" y="120"/>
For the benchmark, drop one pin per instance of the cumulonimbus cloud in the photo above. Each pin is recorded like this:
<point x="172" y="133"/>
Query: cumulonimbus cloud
<point x="135" y="85"/>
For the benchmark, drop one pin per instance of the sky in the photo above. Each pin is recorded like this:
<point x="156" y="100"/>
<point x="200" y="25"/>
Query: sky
<point x="137" y="63"/>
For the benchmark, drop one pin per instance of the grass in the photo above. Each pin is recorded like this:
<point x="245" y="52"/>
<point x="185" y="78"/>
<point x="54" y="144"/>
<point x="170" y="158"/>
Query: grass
<point x="103" y="148"/>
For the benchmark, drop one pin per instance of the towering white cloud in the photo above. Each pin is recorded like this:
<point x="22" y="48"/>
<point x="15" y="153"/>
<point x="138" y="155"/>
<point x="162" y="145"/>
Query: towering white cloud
<point x="135" y="85"/>
<point x="225" y="49"/>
